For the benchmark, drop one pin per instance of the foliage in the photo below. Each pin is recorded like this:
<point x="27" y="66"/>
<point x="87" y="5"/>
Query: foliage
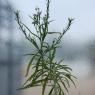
<point x="46" y="71"/>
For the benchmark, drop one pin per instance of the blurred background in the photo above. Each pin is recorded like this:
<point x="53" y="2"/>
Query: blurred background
<point x="77" y="48"/>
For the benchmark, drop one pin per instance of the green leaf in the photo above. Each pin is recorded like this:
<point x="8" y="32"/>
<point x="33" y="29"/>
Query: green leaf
<point x="44" y="85"/>
<point x="63" y="84"/>
<point x="32" y="76"/>
<point x="29" y="64"/>
<point x="71" y="80"/>
<point x="28" y="86"/>
<point x="61" y="61"/>
<point x="30" y="31"/>
<point x="53" y="32"/>
<point x="61" y="89"/>
<point x="67" y="81"/>
<point x="50" y="93"/>
<point x="34" y="43"/>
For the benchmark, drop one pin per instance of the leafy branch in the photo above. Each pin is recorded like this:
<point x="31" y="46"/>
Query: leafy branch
<point x="46" y="71"/>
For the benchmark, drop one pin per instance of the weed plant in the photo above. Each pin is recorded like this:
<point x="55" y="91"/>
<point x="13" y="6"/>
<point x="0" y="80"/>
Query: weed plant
<point x="46" y="71"/>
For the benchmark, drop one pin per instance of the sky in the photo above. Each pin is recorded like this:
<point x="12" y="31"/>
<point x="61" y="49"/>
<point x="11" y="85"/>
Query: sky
<point x="83" y="11"/>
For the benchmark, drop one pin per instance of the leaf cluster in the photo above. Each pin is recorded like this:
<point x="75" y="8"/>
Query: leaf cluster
<point x="46" y="71"/>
